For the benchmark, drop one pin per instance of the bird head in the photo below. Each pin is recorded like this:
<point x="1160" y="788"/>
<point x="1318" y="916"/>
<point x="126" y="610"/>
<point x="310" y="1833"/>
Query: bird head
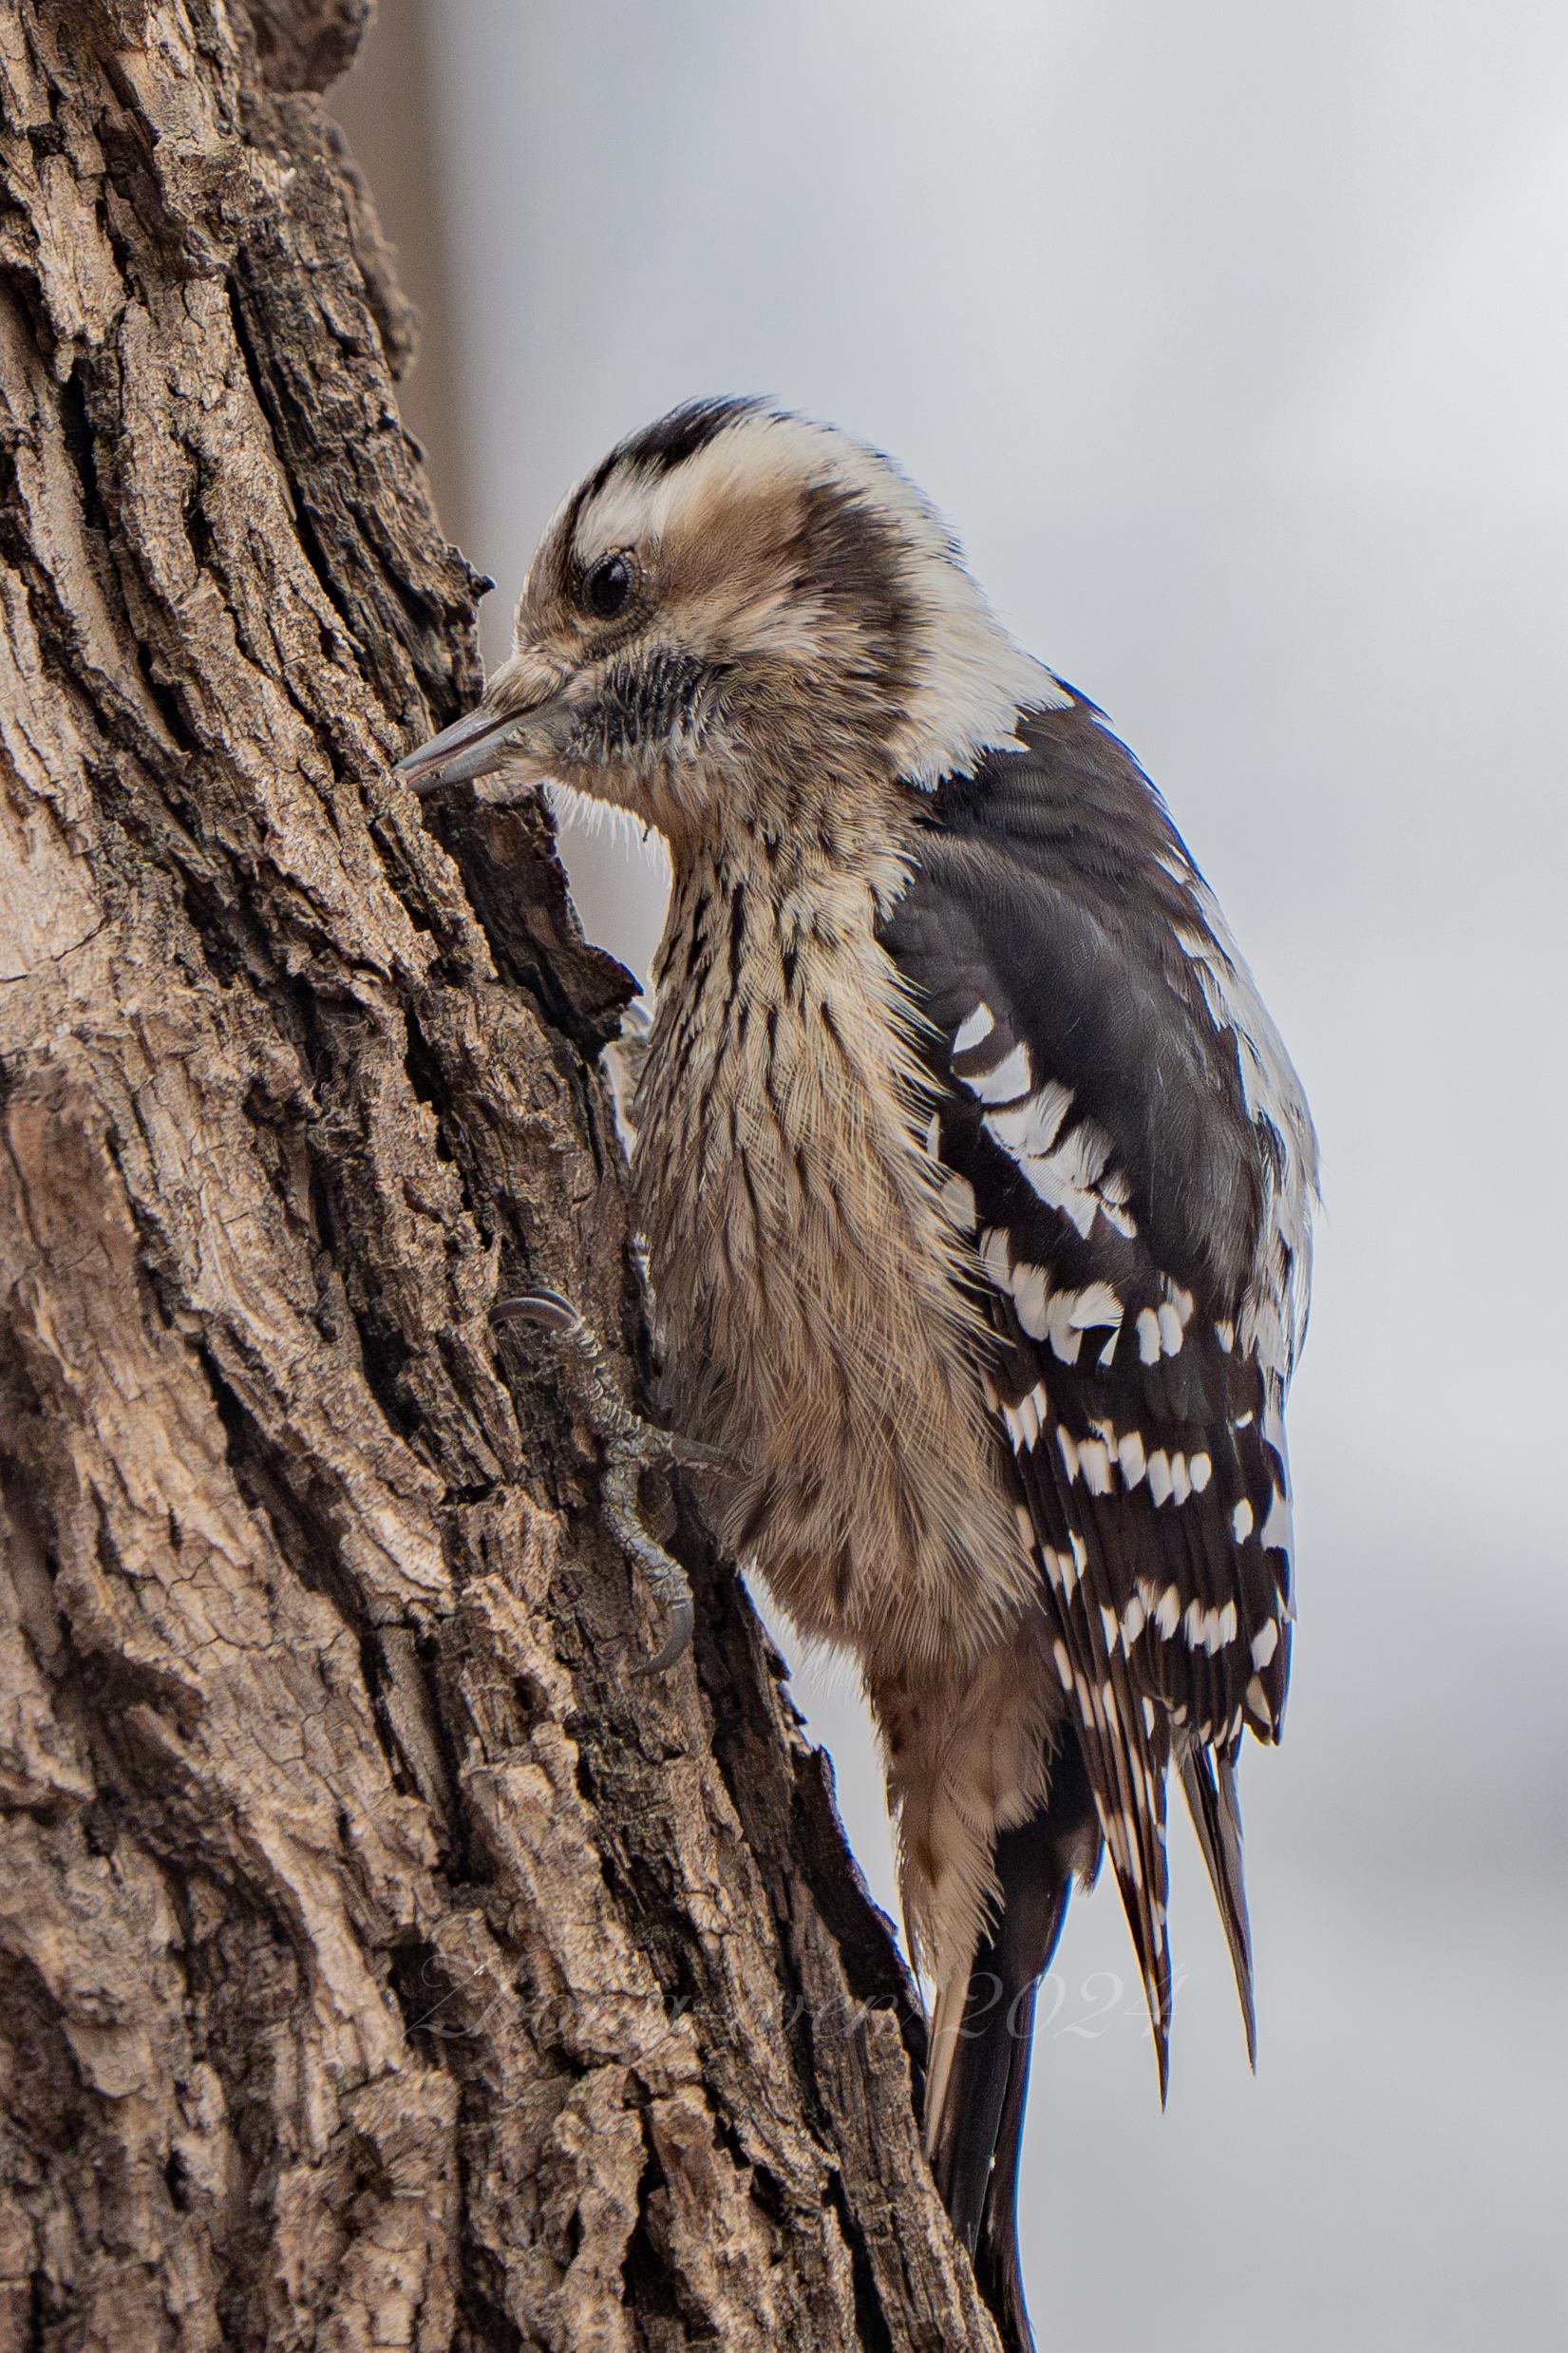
<point x="737" y="603"/>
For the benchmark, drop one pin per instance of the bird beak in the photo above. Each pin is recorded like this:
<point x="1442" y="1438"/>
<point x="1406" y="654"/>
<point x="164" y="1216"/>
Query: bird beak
<point x="514" y="727"/>
<point x="472" y="746"/>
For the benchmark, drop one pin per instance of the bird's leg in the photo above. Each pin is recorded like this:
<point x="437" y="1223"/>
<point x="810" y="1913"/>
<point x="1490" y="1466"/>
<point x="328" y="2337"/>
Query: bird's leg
<point x="632" y="1446"/>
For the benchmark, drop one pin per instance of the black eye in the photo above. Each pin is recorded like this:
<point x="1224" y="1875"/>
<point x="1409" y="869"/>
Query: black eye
<point x="605" y="589"/>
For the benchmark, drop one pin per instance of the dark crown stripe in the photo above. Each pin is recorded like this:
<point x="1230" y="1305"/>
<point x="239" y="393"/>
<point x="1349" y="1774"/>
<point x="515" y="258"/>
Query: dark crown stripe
<point x="661" y="447"/>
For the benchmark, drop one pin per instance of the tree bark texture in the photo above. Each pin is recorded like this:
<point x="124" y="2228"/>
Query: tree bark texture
<point x="379" y="1964"/>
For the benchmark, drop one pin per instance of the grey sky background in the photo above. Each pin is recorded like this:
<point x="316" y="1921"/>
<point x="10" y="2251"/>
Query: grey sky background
<point x="1232" y="341"/>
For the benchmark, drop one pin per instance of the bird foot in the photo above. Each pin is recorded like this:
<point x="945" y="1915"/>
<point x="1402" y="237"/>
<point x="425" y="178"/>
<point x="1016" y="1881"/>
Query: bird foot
<point x="632" y="1446"/>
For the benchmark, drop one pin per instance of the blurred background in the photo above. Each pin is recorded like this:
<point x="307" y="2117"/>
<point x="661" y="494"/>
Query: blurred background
<point x="1234" y="343"/>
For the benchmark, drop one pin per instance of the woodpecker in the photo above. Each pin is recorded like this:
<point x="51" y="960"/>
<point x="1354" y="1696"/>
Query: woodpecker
<point x="976" y="1186"/>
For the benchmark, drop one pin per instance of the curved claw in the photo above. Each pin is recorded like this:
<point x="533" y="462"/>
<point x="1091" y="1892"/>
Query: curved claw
<point x="546" y="1307"/>
<point x="683" y="1618"/>
<point x="630" y="1445"/>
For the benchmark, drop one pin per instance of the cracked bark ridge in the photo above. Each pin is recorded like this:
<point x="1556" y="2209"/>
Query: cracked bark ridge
<point x="378" y="1968"/>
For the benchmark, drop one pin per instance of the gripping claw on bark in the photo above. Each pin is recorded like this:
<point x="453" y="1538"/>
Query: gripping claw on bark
<point x="631" y="1447"/>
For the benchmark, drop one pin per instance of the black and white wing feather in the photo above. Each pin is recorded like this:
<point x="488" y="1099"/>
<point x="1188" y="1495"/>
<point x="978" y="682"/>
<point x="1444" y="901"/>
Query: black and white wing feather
<point x="1123" y="1134"/>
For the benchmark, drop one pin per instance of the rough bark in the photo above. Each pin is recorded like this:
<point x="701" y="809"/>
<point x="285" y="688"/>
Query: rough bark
<point x="378" y="1964"/>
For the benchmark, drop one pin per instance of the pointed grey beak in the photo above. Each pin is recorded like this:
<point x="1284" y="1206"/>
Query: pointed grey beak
<point x="472" y="746"/>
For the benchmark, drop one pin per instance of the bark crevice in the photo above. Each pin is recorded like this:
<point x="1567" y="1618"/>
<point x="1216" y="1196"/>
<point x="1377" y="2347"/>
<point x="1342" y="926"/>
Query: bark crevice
<point x="379" y="1965"/>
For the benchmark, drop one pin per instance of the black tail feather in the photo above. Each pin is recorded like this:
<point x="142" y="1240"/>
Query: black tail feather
<point x="997" y="2271"/>
<point x="979" y="2134"/>
<point x="1217" y="1818"/>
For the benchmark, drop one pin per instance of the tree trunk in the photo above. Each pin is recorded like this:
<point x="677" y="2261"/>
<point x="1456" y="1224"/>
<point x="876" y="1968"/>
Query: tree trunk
<point x="380" y="1966"/>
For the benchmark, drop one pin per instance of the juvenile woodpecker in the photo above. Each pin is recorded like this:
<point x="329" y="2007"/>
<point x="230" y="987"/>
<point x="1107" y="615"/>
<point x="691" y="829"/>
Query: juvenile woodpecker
<point x="977" y="1188"/>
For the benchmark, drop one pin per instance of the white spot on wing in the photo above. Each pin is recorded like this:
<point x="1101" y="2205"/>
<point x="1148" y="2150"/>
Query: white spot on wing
<point x="1067" y="1175"/>
<point x="1063" y="1568"/>
<point x="1029" y="1287"/>
<point x="1064" y="1340"/>
<point x="1030" y="1128"/>
<point x="1006" y="1082"/>
<point x="973" y="1028"/>
<point x="1094" y="1465"/>
<point x="1095" y="1304"/>
<point x="1275" y="1535"/>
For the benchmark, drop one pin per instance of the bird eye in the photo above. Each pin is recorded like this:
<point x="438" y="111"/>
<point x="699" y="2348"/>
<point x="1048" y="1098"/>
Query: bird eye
<point x="606" y="588"/>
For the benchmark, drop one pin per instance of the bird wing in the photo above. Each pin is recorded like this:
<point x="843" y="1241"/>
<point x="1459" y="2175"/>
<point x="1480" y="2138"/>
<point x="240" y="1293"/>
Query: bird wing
<point x="1121" y="1130"/>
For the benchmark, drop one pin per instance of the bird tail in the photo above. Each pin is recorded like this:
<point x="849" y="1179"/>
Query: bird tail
<point x="981" y="2030"/>
<point x="1209" y="1784"/>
